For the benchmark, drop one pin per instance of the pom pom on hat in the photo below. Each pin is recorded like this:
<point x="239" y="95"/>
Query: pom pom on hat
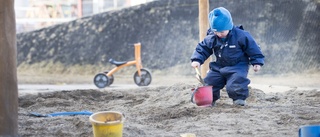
<point x="220" y="19"/>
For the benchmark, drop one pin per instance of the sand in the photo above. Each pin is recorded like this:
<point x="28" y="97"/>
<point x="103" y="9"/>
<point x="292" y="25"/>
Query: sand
<point x="164" y="109"/>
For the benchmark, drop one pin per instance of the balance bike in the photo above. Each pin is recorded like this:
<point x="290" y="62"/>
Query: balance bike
<point x="142" y="77"/>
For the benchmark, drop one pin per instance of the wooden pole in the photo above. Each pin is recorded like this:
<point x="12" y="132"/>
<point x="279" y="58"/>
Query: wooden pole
<point x="203" y="27"/>
<point x="8" y="71"/>
<point x="79" y="8"/>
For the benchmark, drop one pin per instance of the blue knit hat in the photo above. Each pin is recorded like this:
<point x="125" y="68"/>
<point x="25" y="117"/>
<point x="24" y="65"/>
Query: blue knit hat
<point x="220" y="19"/>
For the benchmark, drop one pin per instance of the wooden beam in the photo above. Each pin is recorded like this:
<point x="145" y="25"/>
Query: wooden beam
<point x="8" y="71"/>
<point x="203" y="27"/>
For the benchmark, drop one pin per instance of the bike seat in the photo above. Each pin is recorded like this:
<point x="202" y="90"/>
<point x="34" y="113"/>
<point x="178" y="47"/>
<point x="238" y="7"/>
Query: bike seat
<point x="117" y="63"/>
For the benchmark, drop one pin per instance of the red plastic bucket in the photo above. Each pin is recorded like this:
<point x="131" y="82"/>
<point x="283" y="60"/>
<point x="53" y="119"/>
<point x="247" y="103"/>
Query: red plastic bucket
<point x="202" y="96"/>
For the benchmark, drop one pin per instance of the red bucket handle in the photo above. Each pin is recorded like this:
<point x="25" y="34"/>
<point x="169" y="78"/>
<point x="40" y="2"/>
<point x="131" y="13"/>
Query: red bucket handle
<point x="194" y="92"/>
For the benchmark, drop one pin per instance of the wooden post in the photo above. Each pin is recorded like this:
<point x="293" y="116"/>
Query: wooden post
<point x="79" y="8"/>
<point x="8" y="71"/>
<point x="203" y="27"/>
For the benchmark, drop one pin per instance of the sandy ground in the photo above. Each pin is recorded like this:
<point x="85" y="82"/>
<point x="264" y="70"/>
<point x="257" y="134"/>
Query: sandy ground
<point x="277" y="106"/>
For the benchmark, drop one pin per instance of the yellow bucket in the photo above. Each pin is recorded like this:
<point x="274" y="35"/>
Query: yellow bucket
<point x="107" y="124"/>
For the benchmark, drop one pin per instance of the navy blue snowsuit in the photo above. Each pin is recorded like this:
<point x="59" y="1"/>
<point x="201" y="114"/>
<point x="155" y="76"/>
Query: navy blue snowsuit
<point x="233" y="59"/>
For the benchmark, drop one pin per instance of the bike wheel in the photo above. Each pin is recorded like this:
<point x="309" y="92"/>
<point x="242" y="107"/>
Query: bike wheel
<point x="111" y="78"/>
<point x="101" y="80"/>
<point x="143" y="80"/>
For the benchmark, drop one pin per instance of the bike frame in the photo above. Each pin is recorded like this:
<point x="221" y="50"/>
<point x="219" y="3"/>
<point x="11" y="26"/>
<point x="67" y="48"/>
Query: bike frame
<point x="136" y="61"/>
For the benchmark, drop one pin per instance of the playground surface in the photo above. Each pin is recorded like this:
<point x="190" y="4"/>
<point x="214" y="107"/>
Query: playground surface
<point x="277" y="106"/>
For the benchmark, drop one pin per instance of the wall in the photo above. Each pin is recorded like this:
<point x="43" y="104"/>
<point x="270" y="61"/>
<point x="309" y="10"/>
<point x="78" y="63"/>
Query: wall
<point x="287" y="31"/>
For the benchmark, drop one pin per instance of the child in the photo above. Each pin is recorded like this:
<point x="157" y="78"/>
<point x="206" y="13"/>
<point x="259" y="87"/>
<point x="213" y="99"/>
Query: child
<point x="235" y="49"/>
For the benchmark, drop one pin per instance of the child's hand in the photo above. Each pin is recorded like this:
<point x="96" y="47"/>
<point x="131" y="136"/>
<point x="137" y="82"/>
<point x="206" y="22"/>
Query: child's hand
<point x="256" y="68"/>
<point x="195" y="64"/>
